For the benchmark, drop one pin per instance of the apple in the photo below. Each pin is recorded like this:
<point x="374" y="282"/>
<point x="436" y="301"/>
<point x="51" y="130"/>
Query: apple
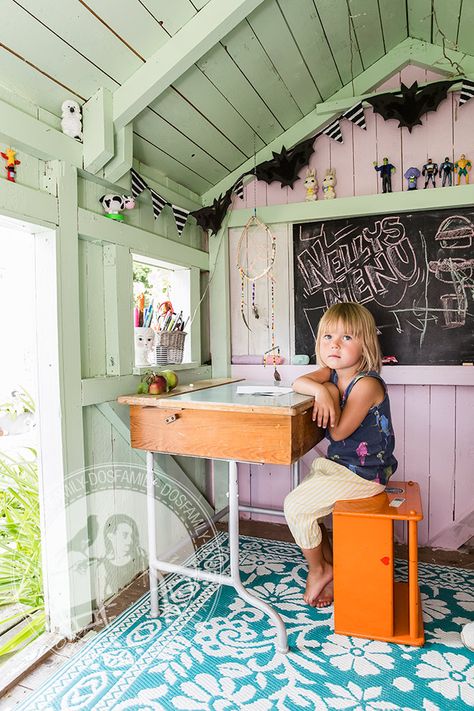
<point x="158" y="386"/>
<point x="142" y="388"/>
<point x="171" y="378"/>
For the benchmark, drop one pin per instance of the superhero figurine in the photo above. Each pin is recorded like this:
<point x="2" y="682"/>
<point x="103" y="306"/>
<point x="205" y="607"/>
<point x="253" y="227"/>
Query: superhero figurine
<point x="430" y="171"/>
<point x="462" y="167"/>
<point x="385" y="170"/>
<point x="412" y="175"/>
<point x="446" y="169"/>
<point x="10" y="167"/>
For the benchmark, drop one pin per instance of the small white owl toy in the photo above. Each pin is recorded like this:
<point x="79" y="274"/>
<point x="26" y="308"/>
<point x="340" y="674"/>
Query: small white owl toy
<point x="71" y="122"/>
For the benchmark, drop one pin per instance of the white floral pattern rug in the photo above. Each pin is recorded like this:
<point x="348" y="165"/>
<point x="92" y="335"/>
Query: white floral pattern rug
<point x="211" y="650"/>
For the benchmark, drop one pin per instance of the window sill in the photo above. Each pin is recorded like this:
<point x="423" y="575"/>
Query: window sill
<point x="141" y="369"/>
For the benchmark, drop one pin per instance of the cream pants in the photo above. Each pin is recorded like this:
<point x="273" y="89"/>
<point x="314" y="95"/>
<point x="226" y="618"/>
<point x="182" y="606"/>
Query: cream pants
<point x="315" y="497"/>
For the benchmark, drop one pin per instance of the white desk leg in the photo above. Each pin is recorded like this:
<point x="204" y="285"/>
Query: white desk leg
<point x="282" y="638"/>
<point x="151" y="511"/>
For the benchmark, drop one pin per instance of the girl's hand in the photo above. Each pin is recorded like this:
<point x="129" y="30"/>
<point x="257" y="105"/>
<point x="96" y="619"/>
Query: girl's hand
<point x="324" y="409"/>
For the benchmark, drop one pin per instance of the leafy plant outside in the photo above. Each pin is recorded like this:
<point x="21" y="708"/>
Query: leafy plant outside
<point x="20" y="550"/>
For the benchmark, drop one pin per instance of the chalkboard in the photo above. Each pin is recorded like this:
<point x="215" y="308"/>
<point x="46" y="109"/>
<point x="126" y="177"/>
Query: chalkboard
<point x="413" y="271"/>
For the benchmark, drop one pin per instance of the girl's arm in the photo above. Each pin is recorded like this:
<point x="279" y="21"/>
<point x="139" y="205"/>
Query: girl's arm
<point x="366" y="393"/>
<point x="324" y="411"/>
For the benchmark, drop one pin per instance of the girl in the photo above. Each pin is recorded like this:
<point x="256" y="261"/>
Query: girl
<point x="350" y="399"/>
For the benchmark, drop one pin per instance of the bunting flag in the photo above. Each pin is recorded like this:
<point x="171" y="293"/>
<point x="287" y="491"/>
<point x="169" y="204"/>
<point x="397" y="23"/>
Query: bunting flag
<point x="138" y="184"/>
<point x="239" y="188"/>
<point x="467" y="91"/>
<point x="180" y="215"/>
<point x="158" y="203"/>
<point x="334" y="131"/>
<point x="356" y="115"/>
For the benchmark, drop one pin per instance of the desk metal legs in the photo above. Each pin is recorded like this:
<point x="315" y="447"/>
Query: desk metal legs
<point x="233" y="579"/>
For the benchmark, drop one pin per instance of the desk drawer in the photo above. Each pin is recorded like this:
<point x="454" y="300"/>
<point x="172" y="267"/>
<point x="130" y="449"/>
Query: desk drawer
<point x="217" y="434"/>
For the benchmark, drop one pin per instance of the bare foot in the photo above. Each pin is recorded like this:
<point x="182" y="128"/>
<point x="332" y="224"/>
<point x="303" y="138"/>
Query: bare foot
<point x="316" y="582"/>
<point x="327" y="596"/>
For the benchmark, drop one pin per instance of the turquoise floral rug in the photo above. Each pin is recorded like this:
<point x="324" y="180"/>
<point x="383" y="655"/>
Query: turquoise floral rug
<point x="211" y="650"/>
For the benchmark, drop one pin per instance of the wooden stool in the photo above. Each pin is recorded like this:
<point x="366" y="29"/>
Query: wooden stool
<point x="367" y="601"/>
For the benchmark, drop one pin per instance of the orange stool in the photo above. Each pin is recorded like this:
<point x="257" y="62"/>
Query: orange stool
<point x="367" y="601"/>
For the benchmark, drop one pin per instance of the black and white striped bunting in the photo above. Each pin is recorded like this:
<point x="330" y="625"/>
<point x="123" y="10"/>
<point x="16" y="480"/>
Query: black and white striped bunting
<point x="180" y="215"/>
<point x="239" y="188"/>
<point x="334" y="131"/>
<point x="138" y="184"/>
<point x="158" y="203"/>
<point x="356" y="115"/>
<point x="467" y="91"/>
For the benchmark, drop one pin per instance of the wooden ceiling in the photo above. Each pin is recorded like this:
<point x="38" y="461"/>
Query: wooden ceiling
<point x="259" y="80"/>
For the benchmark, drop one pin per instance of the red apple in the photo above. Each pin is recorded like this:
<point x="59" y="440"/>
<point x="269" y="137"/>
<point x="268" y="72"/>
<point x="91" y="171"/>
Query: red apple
<point x="158" y="386"/>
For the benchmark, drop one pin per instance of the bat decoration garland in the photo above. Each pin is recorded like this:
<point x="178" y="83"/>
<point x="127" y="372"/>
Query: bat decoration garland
<point x="211" y="217"/>
<point x="286" y="165"/>
<point x="408" y="104"/>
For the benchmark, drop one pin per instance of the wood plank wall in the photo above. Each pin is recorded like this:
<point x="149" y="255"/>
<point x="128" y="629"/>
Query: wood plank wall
<point x="433" y="427"/>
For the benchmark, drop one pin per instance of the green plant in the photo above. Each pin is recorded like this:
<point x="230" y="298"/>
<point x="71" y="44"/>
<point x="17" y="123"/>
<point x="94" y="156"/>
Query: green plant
<point x="21" y="402"/>
<point x="20" y="549"/>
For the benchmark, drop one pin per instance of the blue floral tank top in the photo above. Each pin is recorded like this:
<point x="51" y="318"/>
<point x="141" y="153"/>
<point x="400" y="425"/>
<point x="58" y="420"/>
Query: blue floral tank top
<point x="368" y="451"/>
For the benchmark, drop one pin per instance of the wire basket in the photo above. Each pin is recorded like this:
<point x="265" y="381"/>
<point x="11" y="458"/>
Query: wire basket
<point x="169" y="347"/>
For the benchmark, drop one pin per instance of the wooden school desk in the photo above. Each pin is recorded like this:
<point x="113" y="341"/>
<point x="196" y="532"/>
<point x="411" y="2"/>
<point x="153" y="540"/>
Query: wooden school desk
<point x="211" y="420"/>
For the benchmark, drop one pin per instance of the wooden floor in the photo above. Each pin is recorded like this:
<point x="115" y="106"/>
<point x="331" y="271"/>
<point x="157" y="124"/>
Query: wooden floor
<point x="464" y="558"/>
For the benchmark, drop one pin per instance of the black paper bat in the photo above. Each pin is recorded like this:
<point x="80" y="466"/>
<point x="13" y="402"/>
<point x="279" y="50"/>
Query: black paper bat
<point x="286" y="165"/>
<point x="409" y="103"/>
<point x="211" y="217"/>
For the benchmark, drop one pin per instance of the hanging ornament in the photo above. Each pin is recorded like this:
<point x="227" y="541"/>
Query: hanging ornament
<point x="409" y="103"/>
<point x="285" y="165"/>
<point x="256" y="253"/>
<point x="210" y="218"/>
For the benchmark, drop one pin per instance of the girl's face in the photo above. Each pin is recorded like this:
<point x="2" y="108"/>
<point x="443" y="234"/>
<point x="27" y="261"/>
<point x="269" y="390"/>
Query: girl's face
<point x="339" y="348"/>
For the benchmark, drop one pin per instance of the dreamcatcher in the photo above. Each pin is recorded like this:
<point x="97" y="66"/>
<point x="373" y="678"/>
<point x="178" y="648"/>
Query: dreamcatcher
<point x="256" y="253"/>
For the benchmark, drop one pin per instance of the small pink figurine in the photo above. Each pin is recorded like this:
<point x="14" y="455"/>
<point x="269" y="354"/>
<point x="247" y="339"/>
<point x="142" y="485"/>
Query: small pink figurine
<point x="10" y="167"/>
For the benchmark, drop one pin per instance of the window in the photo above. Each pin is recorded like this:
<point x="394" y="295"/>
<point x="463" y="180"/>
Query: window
<point x="161" y="293"/>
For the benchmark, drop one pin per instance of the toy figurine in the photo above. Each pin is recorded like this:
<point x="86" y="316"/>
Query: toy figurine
<point x="71" y="121"/>
<point x="462" y="167"/>
<point x="412" y="174"/>
<point x="114" y="204"/>
<point x="446" y="169"/>
<point x="311" y="185"/>
<point x="329" y="184"/>
<point x="430" y="171"/>
<point x="385" y="170"/>
<point x="10" y="167"/>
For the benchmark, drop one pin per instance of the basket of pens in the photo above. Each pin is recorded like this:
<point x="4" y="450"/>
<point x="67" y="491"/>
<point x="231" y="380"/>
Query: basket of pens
<point x="169" y="347"/>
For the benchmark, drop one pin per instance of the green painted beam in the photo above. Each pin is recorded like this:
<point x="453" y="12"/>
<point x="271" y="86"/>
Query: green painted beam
<point x="98" y="130"/>
<point x="25" y="133"/>
<point x="98" y="228"/>
<point x="27" y="204"/>
<point x="385" y="203"/>
<point x="123" y="154"/>
<point x="118" y="286"/>
<point x="410" y="51"/>
<point x="185" y="48"/>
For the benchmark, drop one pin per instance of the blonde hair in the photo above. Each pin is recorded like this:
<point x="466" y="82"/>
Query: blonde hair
<point x="358" y="322"/>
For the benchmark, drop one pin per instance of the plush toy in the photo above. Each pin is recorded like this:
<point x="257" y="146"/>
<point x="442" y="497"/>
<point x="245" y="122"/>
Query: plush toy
<point x="10" y="167"/>
<point x="462" y="167"/>
<point x="114" y="204"/>
<point x="329" y="184"/>
<point x="71" y="122"/>
<point x="412" y="174"/>
<point x="311" y="185"/>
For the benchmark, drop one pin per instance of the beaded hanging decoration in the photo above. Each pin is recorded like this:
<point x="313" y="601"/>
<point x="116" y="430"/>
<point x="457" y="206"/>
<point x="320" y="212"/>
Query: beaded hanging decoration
<point x="255" y="259"/>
